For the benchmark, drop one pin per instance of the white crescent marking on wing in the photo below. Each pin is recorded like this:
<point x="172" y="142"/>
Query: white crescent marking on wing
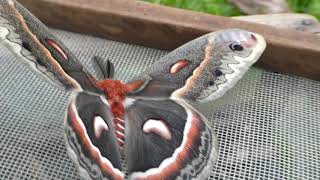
<point x="177" y="151"/>
<point x="103" y="159"/>
<point x="158" y="127"/>
<point x="99" y="126"/>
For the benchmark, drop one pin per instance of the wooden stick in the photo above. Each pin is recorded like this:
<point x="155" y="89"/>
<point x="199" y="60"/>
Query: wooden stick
<point x="299" y="22"/>
<point x="167" y="28"/>
<point x="261" y="6"/>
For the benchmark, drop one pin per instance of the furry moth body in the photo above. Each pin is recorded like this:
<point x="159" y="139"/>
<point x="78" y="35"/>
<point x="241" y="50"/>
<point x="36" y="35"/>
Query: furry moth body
<point x="148" y="120"/>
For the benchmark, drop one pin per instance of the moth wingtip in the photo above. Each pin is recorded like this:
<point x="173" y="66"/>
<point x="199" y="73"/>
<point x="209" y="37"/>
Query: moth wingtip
<point x="10" y="2"/>
<point x="6" y="3"/>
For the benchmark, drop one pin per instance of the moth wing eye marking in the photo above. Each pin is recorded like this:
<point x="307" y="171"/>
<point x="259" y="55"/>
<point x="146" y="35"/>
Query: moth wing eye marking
<point x="236" y="47"/>
<point x="26" y="46"/>
<point x="218" y="72"/>
<point x="247" y="42"/>
<point x="157" y="127"/>
<point x="55" y="46"/>
<point x="99" y="126"/>
<point x="175" y="68"/>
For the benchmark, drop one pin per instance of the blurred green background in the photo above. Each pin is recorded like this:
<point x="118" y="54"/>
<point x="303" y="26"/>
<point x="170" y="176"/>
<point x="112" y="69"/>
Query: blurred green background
<point x="223" y="8"/>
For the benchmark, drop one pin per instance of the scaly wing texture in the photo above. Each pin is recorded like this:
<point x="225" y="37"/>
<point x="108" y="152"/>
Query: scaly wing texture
<point x="168" y="139"/>
<point x="165" y="138"/>
<point x="91" y="139"/>
<point x="36" y="47"/>
<point x="203" y="69"/>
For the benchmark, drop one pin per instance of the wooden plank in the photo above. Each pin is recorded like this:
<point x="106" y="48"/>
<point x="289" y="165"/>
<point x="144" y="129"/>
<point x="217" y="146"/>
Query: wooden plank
<point x="261" y="6"/>
<point x="299" y="22"/>
<point x="137" y="22"/>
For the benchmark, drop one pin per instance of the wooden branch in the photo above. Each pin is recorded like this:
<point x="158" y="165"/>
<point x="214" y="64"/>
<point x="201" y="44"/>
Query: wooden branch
<point x="167" y="28"/>
<point x="261" y="6"/>
<point x="299" y="22"/>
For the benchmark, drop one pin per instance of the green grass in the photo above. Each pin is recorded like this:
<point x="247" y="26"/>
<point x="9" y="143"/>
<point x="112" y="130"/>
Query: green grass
<point x="306" y="6"/>
<point x="223" y="8"/>
<point x="217" y="7"/>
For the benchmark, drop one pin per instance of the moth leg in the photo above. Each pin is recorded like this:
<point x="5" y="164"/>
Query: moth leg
<point x="106" y="67"/>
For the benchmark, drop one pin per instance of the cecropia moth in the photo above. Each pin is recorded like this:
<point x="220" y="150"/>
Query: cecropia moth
<point x="147" y="122"/>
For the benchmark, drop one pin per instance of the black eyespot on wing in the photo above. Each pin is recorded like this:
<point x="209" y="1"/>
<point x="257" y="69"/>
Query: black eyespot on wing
<point x="211" y="83"/>
<point x="217" y="72"/>
<point x="40" y="62"/>
<point x="236" y="47"/>
<point x="26" y="46"/>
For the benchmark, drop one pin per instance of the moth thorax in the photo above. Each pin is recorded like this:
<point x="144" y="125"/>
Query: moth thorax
<point x="115" y="92"/>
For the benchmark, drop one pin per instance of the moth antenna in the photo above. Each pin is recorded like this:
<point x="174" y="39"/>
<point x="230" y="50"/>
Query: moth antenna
<point x="106" y="67"/>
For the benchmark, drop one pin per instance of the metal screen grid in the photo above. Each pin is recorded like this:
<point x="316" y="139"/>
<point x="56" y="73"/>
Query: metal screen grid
<point x="267" y="126"/>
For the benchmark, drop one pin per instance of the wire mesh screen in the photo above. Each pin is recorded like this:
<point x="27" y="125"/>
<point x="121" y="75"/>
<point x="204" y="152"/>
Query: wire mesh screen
<point x="267" y="126"/>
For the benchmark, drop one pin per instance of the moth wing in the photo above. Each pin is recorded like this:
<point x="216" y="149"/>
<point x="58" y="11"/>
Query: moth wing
<point x="168" y="139"/>
<point x="91" y="139"/>
<point x="203" y="69"/>
<point x="33" y="45"/>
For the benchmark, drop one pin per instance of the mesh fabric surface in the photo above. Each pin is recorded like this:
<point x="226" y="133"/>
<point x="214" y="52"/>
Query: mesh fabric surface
<point x="268" y="126"/>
